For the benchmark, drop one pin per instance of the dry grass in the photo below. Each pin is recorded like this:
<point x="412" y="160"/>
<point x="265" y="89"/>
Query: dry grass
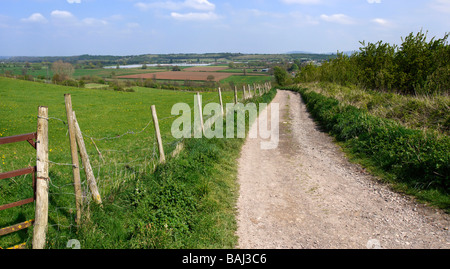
<point x="418" y="112"/>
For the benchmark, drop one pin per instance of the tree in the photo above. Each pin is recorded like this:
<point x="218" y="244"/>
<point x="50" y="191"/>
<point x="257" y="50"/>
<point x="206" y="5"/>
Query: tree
<point x="281" y="76"/>
<point x="294" y="68"/>
<point x="62" y="71"/>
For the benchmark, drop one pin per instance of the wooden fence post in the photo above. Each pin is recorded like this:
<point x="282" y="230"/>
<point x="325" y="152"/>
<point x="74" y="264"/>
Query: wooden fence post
<point x="41" y="210"/>
<point x="86" y="163"/>
<point x="162" y="156"/>
<point x="200" y="110"/>
<point x="74" y="153"/>
<point x="244" y="95"/>
<point x="221" y="102"/>
<point x="235" y="95"/>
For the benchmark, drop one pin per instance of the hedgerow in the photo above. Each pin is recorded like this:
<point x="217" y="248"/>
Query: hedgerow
<point x="417" y="67"/>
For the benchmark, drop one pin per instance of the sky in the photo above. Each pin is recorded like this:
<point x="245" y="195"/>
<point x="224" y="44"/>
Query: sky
<point x="134" y="27"/>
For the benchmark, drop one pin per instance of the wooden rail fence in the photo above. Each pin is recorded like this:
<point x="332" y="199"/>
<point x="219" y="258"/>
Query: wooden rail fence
<point x="39" y="141"/>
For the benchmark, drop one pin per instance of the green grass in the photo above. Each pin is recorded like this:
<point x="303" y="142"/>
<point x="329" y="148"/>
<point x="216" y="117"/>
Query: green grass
<point x="109" y="73"/>
<point x="95" y="86"/>
<point x="418" y="112"/>
<point x="244" y="80"/>
<point x="115" y="120"/>
<point x="79" y="73"/>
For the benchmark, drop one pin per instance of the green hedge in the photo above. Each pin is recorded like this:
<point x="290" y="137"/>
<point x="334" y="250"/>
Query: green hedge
<point x="419" y="159"/>
<point x="416" y="66"/>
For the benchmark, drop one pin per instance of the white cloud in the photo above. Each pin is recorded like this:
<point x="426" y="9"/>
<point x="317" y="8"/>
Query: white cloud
<point x="74" y="1"/>
<point x="199" y="4"/>
<point x="94" y="22"/>
<point x="374" y="1"/>
<point x="337" y="18"/>
<point x="61" y="14"/>
<point x="65" y="18"/>
<point x="384" y="24"/>
<point x="35" y="18"/>
<point x="203" y="5"/>
<point x="194" y="16"/>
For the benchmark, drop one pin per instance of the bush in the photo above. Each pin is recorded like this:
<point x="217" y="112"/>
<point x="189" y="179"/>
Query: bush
<point x="414" y="67"/>
<point x="281" y="76"/>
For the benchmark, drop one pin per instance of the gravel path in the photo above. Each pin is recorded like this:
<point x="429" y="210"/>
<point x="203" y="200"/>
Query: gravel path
<point x="306" y="195"/>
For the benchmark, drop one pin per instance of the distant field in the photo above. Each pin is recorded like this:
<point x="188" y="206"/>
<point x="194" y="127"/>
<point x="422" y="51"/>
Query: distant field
<point x="101" y="72"/>
<point x="236" y="79"/>
<point x="206" y="68"/>
<point x="181" y="75"/>
<point x="105" y="73"/>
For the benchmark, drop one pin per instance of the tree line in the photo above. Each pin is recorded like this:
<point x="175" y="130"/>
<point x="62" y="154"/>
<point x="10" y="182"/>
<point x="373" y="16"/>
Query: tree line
<point x="416" y="67"/>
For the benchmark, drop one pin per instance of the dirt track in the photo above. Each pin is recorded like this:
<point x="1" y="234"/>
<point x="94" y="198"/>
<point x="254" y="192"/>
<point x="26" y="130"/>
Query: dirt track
<point x="306" y="195"/>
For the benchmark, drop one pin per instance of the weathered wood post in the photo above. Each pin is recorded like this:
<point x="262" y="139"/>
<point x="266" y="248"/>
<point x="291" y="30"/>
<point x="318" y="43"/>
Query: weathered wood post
<point x="41" y="210"/>
<point x="200" y="110"/>
<point x="243" y="94"/>
<point x="86" y="163"/>
<point x="221" y="102"/>
<point x="235" y="95"/>
<point x="74" y="153"/>
<point x="162" y="156"/>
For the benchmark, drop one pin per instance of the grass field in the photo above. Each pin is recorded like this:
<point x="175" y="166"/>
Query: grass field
<point x="244" y="80"/>
<point x="193" y="75"/>
<point x="100" y="72"/>
<point x="120" y="124"/>
<point x="181" y="75"/>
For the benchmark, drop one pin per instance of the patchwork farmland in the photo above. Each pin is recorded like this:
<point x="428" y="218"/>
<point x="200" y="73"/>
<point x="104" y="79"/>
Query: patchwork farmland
<point x="206" y="68"/>
<point x="196" y="73"/>
<point x="181" y="75"/>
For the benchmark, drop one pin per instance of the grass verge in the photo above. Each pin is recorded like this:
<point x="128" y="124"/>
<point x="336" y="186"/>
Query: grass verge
<point x="425" y="112"/>
<point x="187" y="203"/>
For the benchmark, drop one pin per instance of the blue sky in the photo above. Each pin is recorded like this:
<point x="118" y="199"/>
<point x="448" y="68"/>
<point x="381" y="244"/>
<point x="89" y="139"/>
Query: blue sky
<point x="132" y="27"/>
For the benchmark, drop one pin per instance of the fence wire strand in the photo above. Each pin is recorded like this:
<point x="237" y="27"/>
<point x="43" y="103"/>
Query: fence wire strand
<point x="112" y="167"/>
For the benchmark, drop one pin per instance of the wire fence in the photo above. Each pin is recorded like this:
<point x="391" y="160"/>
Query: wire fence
<point x="115" y="160"/>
